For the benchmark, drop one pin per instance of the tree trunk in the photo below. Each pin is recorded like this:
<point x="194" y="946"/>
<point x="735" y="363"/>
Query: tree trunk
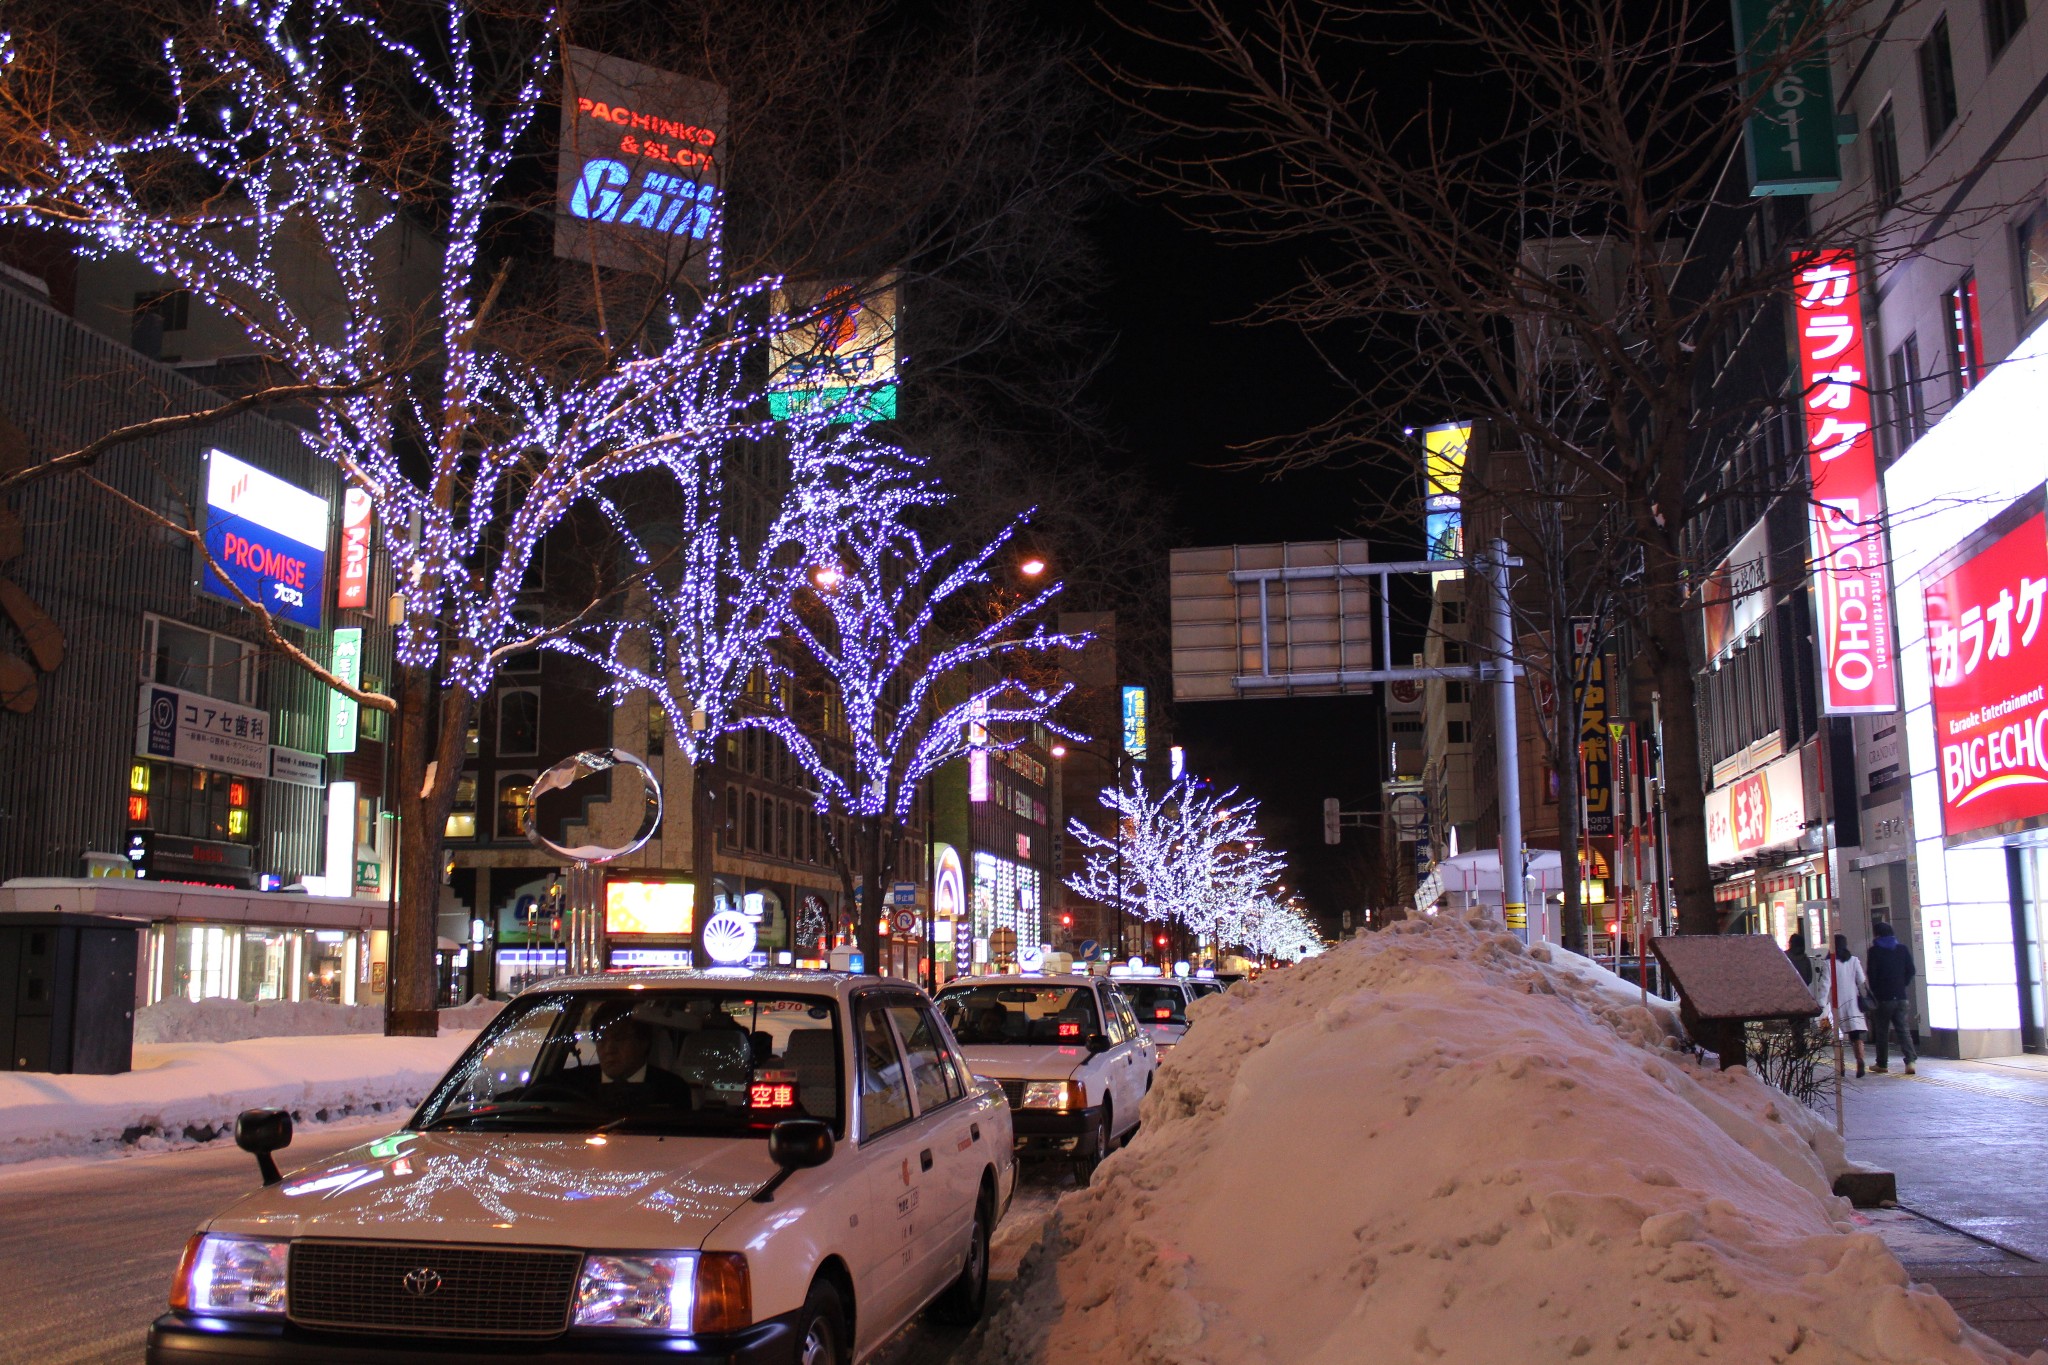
<point x="1666" y="631"/>
<point x="431" y="731"/>
<point x="706" y="817"/>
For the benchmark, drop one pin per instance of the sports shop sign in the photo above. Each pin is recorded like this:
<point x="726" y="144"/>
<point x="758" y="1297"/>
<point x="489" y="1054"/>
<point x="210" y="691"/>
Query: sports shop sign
<point x="1987" y="648"/>
<point x="637" y="175"/>
<point x="1845" y="520"/>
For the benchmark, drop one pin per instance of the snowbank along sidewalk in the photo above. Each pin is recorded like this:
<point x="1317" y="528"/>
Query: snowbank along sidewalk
<point x="191" y="1092"/>
<point x="1432" y="1144"/>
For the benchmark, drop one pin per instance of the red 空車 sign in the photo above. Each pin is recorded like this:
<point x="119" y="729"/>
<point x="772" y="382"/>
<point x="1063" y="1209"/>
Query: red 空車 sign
<point x="1845" y="520"/>
<point x="1987" y="646"/>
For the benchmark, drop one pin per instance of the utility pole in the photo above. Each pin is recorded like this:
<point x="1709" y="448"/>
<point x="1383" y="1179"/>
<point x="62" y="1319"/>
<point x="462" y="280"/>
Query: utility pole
<point x="1513" y="885"/>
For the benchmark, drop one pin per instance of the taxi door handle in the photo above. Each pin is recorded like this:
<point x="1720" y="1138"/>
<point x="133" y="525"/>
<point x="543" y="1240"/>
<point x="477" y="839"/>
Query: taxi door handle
<point x="924" y="1159"/>
<point x="975" y="1129"/>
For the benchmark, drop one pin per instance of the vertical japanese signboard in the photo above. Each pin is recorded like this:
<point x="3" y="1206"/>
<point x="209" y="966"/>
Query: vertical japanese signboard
<point x="1845" y="516"/>
<point x="637" y="177"/>
<point x="342" y="710"/>
<point x="1987" y="646"/>
<point x="352" y="584"/>
<point x="1790" y="138"/>
<point x="1596" y="750"/>
<point x="1135" y="737"/>
<point x="1443" y="480"/>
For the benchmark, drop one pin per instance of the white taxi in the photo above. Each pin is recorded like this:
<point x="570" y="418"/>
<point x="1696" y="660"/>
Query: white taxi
<point x="1068" y="1052"/>
<point x="727" y="1166"/>
<point x="1161" y="1004"/>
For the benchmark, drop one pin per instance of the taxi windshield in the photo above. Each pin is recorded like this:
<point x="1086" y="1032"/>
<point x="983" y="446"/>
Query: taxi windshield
<point x="1155" y="1003"/>
<point x="1017" y="1014"/>
<point x="674" y="1062"/>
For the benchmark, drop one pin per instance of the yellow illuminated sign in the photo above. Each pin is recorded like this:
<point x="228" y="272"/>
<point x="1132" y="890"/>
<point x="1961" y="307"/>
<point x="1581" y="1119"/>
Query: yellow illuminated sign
<point x="1443" y="480"/>
<point x="665" y="908"/>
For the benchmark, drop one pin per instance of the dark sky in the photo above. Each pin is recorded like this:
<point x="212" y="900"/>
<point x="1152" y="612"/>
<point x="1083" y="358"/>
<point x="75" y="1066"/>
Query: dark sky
<point x="1187" y="382"/>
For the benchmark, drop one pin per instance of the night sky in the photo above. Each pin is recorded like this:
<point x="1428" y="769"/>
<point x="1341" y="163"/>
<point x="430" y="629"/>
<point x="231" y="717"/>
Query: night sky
<point x="1186" y="383"/>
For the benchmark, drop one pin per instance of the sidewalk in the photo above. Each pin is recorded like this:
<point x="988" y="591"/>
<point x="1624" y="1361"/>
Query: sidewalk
<point x="1969" y="1144"/>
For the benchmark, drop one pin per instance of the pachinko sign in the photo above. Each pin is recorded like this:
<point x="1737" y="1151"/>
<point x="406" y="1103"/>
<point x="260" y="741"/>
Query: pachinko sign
<point x="1846" y="517"/>
<point x="637" y="176"/>
<point x="268" y="537"/>
<point x="1987" y="645"/>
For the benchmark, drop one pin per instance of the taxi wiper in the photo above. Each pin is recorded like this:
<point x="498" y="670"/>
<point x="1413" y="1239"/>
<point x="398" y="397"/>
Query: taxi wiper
<point x="505" y="1109"/>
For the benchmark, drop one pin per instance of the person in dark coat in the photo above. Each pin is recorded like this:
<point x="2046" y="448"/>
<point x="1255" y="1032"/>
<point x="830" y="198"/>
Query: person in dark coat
<point x="623" y="1076"/>
<point x="1891" y="972"/>
<point x="1795" y="948"/>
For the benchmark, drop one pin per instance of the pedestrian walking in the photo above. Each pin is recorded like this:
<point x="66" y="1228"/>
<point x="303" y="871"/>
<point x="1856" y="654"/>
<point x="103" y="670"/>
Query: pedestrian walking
<point x="1842" y="997"/>
<point x="1891" y="985"/>
<point x="1795" y="948"/>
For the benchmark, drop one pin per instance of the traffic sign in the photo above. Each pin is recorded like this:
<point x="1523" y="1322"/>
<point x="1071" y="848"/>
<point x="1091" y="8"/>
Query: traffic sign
<point x="904" y="893"/>
<point x="1003" y="943"/>
<point x="906" y="923"/>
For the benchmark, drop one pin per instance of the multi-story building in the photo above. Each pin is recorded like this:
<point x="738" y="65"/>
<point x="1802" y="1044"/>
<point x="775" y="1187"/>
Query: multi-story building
<point x="1944" y="203"/>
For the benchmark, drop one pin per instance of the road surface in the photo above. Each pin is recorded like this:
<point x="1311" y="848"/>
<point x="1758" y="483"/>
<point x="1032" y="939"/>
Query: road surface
<point x="89" y="1248"/>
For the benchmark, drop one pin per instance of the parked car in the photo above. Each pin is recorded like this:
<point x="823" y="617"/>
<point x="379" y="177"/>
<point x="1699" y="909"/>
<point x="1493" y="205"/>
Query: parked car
<point x="724" y="1166"/>
<point x="1201" y="986"/>
<point x="1068" y="1052"/>
<point x="1162" y="1008"/>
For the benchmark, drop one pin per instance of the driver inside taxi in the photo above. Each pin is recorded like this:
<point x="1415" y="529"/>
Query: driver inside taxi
<point x="623" y="1073"/>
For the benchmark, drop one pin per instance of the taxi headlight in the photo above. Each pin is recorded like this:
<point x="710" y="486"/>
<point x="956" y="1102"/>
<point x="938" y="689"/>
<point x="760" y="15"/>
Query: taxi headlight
<point x="237" y="1275"/>
<point x="1061" y="1095"/>
<point x="666" y="1291"/>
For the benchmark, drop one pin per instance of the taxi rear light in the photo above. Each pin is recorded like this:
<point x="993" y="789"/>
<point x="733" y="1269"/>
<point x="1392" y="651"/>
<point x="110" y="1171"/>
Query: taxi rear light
<point x="725" y="1293"/>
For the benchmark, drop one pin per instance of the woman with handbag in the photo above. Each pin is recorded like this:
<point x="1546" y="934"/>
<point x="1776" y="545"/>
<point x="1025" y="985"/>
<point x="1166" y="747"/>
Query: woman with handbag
<point x="1845" y="995"/>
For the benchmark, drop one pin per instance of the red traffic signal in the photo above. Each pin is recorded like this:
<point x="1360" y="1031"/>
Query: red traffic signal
<point x="1613" y="927"/>
<point x="1066" y="921"/>
<point x="1162" y="940"/>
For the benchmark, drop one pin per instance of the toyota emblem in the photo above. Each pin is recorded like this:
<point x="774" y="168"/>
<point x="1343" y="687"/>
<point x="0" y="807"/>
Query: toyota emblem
<point x="423" y="1283"/>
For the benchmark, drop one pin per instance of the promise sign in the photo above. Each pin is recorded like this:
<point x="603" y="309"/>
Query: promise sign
<point x="268" y="537"/>
<point x="637" y="177"/>
<point x="1845" y="518"/>
<point x="1987" y="646"/>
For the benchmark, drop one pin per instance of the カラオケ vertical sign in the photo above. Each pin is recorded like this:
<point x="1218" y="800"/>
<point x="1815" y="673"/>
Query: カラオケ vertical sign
<point x="637" y="178"/>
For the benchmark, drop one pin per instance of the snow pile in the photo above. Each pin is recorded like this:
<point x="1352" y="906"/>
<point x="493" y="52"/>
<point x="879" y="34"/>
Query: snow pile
<point x="225" y="1021"/>
<point x="1434" y="1145"/>
<point x="190" y="1092"/>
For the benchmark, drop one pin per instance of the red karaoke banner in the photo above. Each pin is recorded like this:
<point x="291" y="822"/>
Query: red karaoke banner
<point x="352" y="584"/>
<point x="1988" y="651"/>
<point x="1845" y="520"/>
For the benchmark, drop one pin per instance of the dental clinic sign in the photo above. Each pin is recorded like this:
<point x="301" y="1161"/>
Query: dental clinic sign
<point x="637" y="175"/>
<point x="1845" y="515"/>
<point x="268" y="536"/>
<point x="1987" y="645"/>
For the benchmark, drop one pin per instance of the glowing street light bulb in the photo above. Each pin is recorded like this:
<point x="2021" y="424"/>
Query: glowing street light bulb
<point x="1059" y="751"/>
<point x="1032" y="567"/>
<point x="828" y="576"/>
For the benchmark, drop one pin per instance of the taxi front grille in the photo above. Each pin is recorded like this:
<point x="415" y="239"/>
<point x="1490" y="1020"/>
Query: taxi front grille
<point x="446" y="1290"/>
<point x="1013" y="1091"/>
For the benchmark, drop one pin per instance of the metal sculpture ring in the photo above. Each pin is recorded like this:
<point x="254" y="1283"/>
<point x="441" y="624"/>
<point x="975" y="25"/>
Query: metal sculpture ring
<point x="574" y="769"/>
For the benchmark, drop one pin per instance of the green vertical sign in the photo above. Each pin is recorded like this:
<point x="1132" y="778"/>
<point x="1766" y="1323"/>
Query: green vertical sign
<point x="347" y="665"/>
<point x="1790" y="138"/>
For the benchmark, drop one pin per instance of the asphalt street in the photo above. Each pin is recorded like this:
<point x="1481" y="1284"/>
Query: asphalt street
<point x="89" y="1248"/>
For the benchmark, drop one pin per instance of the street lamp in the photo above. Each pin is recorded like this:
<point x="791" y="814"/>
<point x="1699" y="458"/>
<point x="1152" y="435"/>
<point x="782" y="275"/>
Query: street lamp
<point x="1032" y="567"/>
<point x="828" y="576"/>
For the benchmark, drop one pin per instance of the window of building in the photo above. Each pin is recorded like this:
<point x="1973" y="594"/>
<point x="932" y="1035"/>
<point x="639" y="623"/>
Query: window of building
<point x="731" y="832"/>
<point x="2031" y="240"/>
<point x="514" y="795"/>
<point x="526" y="620"/>
<point x="753" y="748"/>
<point x="1937" y="82"/>
<point x="196" y="660"/>
<point x="781" y="829"/>
<point x="2002" y="19"/>
<point x="1966" y="339"/>
<point x="1908" y="404"/>
<point x="374" y="723"/>
<point x="462" y="816"/>
<point x="657" y="729"/>
<point x="1458" y="732"/>
<point x="1884" y="157"/>
<point x="753" y="822"/>
<point x="194" y="803"/>
<point x="157" y="312"/>
<point x="519" y="721"/>
<point x="1454" y="693"/>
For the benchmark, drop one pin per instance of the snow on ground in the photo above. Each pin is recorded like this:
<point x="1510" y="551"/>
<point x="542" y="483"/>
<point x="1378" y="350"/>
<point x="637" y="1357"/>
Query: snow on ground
<point x="182" y="1093"/>
<point x="223" y="1021"/>
<point x="1432" y="1144"/>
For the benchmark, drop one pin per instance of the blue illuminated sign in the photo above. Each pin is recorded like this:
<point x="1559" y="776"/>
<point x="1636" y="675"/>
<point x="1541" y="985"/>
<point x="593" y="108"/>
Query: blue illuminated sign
<point x="270" y="538"/>
<point x="661" y="203"/>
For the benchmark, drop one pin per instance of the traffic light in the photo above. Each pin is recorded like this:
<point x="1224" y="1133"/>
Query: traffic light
<point x="1333" y="827"/>
<point x="1162" y="940"/>
<point x="1066" y="921"/>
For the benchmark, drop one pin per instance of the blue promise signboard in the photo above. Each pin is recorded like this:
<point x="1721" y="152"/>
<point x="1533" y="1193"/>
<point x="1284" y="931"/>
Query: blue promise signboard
<point x="269" y="536"/>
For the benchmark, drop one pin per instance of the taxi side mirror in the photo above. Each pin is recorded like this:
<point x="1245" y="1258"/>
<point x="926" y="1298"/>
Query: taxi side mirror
<point x="261" y="1132"/>
<point x="793" y="1145"/>
<point x="1098" y="1043"/>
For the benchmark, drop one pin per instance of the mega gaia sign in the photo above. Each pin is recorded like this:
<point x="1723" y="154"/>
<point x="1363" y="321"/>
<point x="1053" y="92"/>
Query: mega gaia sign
<point x="637" y="177"/>
<point x="1987" y="646"/>
<point x="270" y="537"/>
